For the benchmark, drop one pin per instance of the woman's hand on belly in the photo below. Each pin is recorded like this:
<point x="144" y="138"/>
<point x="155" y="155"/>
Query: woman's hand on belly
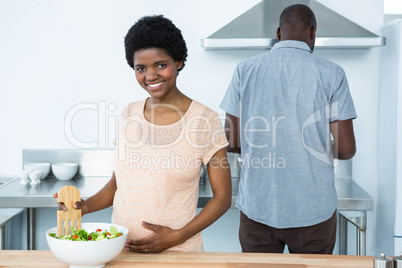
<point x="162" y="239"/>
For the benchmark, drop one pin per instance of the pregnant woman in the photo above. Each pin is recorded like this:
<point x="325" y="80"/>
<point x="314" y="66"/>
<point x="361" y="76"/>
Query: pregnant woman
<point x="162" y="142"/>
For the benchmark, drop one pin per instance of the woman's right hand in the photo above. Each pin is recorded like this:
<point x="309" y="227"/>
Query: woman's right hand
<point x="77" y="205"/>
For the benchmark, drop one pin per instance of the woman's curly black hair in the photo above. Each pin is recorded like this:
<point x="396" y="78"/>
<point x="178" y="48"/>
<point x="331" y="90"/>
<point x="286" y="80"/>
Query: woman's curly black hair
<point x="155" y="32"/>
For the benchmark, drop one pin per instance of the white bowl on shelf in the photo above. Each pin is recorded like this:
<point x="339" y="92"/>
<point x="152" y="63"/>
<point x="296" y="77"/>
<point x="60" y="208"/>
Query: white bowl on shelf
<point x="64" y="171"/>
<point x="87" y="253"/>
<point x="44" y="167"/>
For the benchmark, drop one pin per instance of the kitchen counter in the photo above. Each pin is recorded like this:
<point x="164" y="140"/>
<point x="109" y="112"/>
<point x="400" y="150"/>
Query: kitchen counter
<point x="15" y="195"/>
<point x="44" y="258"/>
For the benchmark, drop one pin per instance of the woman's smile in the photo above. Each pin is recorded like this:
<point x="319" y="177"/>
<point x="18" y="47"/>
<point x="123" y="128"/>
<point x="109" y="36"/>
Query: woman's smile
<point x="155" y="86"/>
<point x="156" y="72"/>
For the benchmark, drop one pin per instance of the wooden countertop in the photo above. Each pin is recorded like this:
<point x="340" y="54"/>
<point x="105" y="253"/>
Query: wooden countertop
<point x="45" y="258"/>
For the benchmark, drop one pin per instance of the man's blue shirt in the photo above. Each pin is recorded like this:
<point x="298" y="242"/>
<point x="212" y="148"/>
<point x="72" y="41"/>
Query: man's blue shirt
<point x="286" y="99"/>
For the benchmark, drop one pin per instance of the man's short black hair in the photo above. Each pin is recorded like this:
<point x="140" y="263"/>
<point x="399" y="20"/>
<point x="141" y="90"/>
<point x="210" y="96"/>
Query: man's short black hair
<point x="155" y="31"/>
<point x="297" y="18"/>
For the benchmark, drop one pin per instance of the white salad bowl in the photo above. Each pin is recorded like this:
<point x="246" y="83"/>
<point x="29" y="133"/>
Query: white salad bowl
<point x="64" y="171"/>
<point x="87" y="253"/>
<point x="44" y="167"/>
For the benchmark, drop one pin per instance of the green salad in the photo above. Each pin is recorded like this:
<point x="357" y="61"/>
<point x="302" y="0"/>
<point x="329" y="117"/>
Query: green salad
<point x="83" y="235"/>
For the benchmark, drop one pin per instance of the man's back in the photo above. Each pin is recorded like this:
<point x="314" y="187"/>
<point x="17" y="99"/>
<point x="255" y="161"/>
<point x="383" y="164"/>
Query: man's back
<point x="287" y="99"/>
<point x="281" y="109"/>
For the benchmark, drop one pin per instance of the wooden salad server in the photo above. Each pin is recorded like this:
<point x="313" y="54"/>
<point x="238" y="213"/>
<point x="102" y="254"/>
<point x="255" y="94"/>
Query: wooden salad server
<point x="71" y="217"/>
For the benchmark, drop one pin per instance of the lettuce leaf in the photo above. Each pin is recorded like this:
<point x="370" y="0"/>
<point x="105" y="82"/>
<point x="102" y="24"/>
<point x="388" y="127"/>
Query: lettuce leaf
<point x="83" y="235"/>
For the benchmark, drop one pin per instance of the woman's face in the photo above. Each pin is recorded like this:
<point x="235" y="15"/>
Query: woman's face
<point x="156" y="71"/>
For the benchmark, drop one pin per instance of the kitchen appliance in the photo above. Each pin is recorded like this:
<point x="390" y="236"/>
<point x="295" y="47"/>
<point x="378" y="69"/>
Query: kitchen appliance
<point x="382" y="261"/>
<point x="398" y="261"/>
<point x="389" y="217"/>
<point x="256" y="29"/>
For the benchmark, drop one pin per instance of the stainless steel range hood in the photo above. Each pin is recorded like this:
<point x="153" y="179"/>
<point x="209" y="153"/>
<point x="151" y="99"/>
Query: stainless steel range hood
<point x="256" y="29"/>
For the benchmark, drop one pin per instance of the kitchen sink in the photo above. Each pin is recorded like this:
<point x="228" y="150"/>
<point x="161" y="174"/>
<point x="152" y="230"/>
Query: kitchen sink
<point x="4" y="181"/>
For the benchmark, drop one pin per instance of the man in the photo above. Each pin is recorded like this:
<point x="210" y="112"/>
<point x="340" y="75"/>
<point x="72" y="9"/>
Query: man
<point x="281" y="109"/>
